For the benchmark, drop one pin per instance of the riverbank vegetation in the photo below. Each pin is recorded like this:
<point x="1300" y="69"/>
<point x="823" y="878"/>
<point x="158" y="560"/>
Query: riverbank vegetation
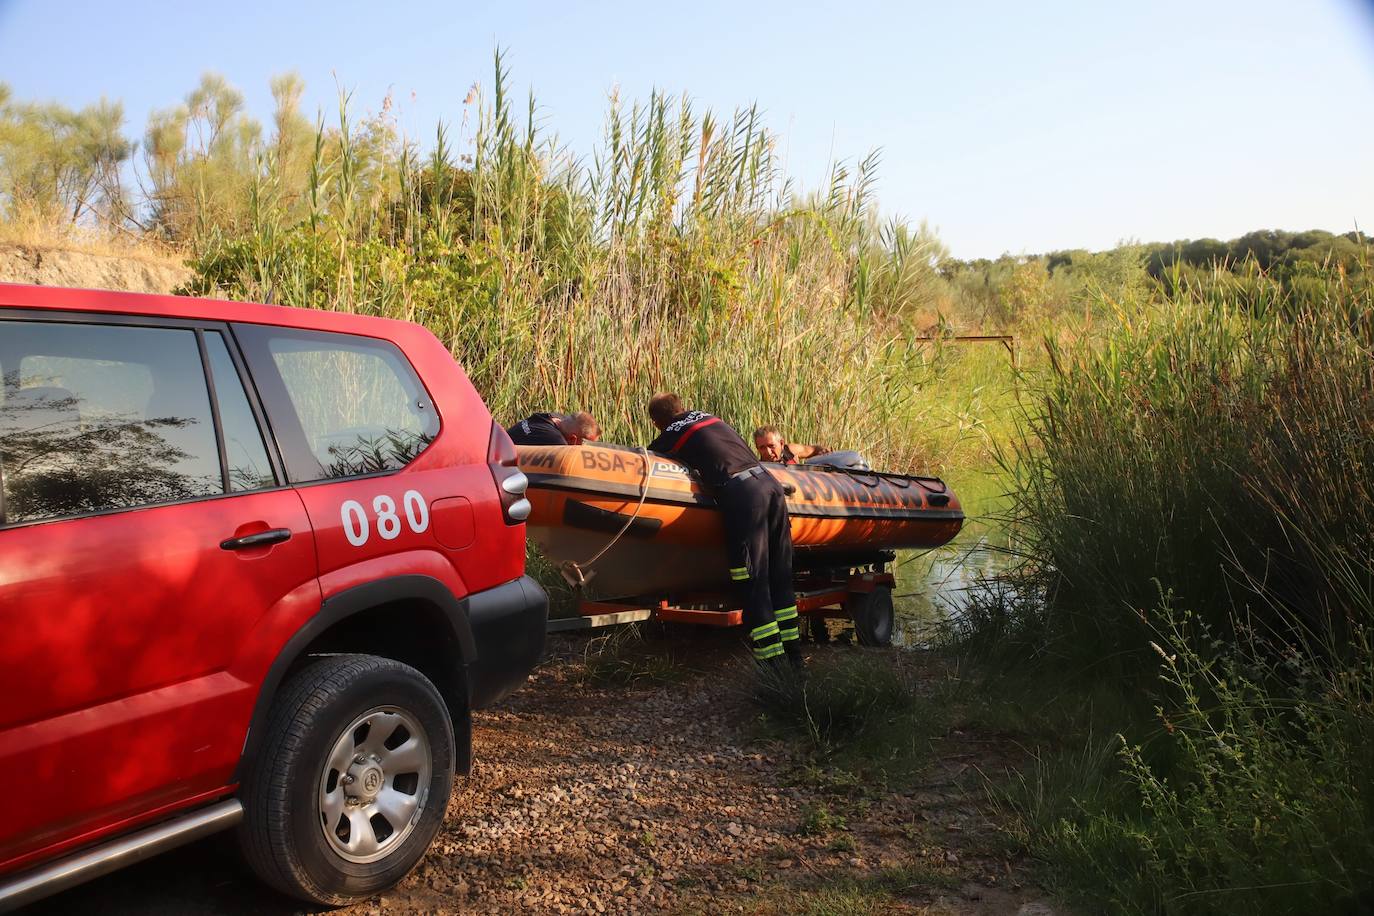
<point x="1187" y="643"/>
<point x="1183" y="643"/>
<point x="676" y="256"/>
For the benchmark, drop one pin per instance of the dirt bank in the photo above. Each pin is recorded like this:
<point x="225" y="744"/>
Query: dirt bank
<point x="52" y="265"/>
<point x="658" y="796"/>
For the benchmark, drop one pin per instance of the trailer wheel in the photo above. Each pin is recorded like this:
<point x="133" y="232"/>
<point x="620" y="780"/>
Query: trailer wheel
<point x="819" y="629"/>
<point x="873" y="616"/>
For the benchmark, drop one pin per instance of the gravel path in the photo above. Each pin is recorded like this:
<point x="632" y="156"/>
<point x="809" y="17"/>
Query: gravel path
<point x="643" y="798"/>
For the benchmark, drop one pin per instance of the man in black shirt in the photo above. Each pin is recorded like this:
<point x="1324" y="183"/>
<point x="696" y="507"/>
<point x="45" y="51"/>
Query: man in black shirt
<point x="758" y="535"/>
<point x="555" y="429"/>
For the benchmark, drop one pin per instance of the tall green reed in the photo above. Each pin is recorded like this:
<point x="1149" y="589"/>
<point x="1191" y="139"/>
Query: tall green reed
<point x="676" y="257"/>
<point x="1218" y="445"/>
<point x="1214" y="454"/>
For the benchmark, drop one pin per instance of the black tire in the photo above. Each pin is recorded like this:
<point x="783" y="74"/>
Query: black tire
<point x="873" y="616"/>
<point x="281" y="835"/>
<point x="819" y="629"/>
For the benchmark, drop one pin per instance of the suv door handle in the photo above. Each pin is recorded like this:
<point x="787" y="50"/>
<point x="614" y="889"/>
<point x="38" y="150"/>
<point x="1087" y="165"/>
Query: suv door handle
<point x="261" y="539"/>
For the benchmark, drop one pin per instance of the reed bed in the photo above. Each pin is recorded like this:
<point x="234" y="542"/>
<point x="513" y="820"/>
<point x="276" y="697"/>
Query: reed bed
<point x="676" y="257"/>
<point x="1193" y="500"/>
<point x="1216" y="451"/>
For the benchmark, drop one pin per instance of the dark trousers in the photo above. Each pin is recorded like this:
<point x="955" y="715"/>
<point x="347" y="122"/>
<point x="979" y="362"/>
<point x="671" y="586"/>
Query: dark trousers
<point x="758" y="544"/>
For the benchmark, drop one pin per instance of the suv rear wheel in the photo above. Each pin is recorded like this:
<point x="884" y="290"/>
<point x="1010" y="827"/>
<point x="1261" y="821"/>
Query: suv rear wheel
<point x="351" y="782"/>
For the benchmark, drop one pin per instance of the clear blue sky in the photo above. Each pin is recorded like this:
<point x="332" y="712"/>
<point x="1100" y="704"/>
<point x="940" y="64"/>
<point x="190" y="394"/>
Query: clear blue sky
<point x="1010" y="126"/>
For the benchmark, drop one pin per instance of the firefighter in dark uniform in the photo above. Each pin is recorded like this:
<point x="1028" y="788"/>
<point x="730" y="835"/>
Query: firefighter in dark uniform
<point x="555" y="429"/>
<point x="758" y="535"/>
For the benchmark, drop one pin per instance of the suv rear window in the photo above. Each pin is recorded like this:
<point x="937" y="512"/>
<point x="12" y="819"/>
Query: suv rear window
<point x="342" y="406"/>
<point x="100" y="417"/>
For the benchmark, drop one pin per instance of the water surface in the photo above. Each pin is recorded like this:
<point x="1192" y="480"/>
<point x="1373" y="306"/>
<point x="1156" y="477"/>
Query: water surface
<point x="934" y="585"/>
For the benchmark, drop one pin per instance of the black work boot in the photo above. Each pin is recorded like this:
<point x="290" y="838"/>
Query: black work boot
<point x="796" y="663"/>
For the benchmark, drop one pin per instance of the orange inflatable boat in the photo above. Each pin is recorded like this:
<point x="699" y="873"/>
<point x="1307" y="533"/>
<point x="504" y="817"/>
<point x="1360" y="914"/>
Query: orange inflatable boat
<point x="583" y="496"/>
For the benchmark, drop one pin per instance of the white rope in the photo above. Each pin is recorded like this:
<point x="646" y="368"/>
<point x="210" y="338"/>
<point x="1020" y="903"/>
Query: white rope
<point x="576" y="574"/>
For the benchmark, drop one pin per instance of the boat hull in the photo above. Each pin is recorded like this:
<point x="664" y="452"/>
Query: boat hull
<point x="581" y="496"/>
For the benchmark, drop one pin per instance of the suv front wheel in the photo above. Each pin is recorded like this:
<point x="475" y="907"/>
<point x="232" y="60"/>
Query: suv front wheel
<point x="351" y="782"/>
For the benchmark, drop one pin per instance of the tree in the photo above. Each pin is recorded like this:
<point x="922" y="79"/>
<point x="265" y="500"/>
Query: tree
<point x="1264" y="245"/>
<point x="58" y="165"/>
<point x="1204" y="252"/>
<point x="292" y="144"/>
<point x="201" y="158"/>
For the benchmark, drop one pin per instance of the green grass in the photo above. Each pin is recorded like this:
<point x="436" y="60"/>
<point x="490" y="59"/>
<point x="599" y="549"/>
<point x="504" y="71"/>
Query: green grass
<point x="845" y="894"/>
<point x="862" y="720"/>
<point x="563" y="598"/>
<point x="1249" y="799"/>
<point x="819" y="820"/>
<point x="620" y="657"/>
<point x="1219" y="447"/>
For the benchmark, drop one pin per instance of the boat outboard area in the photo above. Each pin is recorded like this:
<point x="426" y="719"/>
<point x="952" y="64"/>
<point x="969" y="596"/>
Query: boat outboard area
<point x="845" y="459"/>
<point x="661" y="530"/>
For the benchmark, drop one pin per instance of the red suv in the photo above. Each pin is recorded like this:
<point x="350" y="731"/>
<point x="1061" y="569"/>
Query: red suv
<point x="257" y="564"/>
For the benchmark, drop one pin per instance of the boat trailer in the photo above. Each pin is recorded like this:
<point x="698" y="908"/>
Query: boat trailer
<point x="862" y="595"/>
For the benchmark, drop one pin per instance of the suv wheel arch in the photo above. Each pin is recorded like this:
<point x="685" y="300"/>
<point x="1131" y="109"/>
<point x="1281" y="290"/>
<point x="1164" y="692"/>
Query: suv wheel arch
<point x="415" y="592"/>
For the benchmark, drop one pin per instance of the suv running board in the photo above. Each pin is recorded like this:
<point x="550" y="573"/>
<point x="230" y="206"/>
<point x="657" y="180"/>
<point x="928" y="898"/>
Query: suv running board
<point x="116" y="854"/>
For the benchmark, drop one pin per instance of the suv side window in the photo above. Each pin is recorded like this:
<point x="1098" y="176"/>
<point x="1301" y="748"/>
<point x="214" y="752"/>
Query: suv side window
<point x="245" y="454"/>
<point x="99" y="417"/>
<point x="341" y="405"/>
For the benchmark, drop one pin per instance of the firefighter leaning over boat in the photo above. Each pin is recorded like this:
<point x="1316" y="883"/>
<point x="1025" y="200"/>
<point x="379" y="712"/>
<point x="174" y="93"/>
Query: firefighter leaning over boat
<point x="758" y="536"/>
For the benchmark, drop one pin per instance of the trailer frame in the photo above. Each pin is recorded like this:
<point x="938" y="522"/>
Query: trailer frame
<point x="862" y="594"/>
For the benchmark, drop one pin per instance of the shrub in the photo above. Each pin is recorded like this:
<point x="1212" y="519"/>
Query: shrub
<point x="1265" y="804"/>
